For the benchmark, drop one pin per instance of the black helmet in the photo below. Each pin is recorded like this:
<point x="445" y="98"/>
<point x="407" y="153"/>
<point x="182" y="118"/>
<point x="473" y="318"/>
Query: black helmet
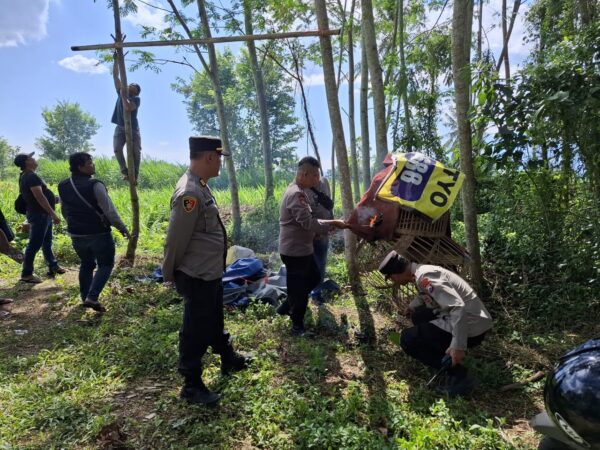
<point x="572" y="395"/>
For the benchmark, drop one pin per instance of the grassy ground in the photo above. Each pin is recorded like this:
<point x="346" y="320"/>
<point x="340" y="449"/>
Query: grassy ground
<point x="80" y="380"/>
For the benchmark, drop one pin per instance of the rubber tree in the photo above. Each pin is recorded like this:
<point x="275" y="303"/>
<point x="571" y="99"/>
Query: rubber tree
<point x="375" y="72"/>
<point x="337" y="129"/>
<point x="214" y="70"/>
<point x="462" y="22"/>
<point x="261" y="100"/>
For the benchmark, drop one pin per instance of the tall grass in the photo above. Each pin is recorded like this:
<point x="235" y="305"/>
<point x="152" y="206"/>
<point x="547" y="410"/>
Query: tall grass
<point x="153" y="173"/>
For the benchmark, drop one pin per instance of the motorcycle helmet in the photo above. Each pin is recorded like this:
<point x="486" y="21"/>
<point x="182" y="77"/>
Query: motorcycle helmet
<point x="572" y="395"/>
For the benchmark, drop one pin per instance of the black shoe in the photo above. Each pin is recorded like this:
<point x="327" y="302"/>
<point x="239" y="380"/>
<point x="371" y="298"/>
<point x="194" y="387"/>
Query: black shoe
<point x="283" y="309"/>
<point x="56" y="271"/>
<point x="94" y="304"/>
<point x="199" y="395"/>
<point x="239" y="361"/>
<point x="299" y="331"/>
<point x="457" y="386"/>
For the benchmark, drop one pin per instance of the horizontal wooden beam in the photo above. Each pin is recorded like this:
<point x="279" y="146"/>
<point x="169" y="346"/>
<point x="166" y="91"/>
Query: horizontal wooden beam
<point x="214" y="40"/>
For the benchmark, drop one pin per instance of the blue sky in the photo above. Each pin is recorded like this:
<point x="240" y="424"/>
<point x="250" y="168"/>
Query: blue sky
<point x="39" y="69"/>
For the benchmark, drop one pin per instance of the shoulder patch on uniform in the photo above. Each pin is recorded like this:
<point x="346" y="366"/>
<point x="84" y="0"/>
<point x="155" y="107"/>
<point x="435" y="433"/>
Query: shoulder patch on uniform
<point x="426" y="285"/>
<point x="189" y="203"/>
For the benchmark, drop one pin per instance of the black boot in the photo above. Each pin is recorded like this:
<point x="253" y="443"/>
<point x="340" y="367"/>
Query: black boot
<point x="197" y="393"/>
<point x="234" y="362"/>
<point x="458" y="382"/>
<point x="284" y="308"/>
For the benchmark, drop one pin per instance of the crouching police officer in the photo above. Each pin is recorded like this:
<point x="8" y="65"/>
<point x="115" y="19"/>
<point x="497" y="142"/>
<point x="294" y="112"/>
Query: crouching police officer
<point x="194" y="260"/>
<point x="447" y="314"/>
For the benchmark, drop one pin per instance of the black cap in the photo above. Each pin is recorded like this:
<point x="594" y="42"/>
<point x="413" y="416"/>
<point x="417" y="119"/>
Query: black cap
<point x="21" y="158"/>
<point x="393" y="263"/>
<point x="206" y="144"/>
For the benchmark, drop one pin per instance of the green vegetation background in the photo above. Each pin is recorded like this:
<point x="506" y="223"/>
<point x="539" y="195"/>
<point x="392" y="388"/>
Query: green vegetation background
<point x="75" y="377"/>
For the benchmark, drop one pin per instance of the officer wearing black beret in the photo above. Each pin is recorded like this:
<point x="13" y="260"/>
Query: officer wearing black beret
<point x="447" y="315"/>
<point x="194" y="260"/>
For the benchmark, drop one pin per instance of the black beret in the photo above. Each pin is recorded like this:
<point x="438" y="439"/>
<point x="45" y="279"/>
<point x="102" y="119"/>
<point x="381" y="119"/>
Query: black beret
<point x="206" y="144"/>
<point x="393" y="263"/>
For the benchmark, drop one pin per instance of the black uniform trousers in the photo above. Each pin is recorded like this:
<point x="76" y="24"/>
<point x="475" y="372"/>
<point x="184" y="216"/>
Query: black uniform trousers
<point x="203" y="325"/>
<point x="427" y="342"/>
<point x="302" y="276"/>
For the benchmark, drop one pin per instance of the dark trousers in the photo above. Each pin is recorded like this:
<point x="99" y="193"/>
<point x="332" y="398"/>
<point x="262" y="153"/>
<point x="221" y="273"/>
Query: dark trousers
<point x="40" y="236"/>
<point x="321" y="248"/>
<point x="302" y="277"/>
<point x="98" y="250"/>
<point x="203" y="325"/>
<point x="119" y="141"/>
<point x="427" y="342"/>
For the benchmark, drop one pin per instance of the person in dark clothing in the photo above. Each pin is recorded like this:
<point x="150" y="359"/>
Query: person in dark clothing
<point x="322" y="208"/>
<point x="6" y="236"/>
<point x="89" y="213"/>
<point x="194" y="259"/>
<point x="130" y="100"/>
<point x="40" y="214"/>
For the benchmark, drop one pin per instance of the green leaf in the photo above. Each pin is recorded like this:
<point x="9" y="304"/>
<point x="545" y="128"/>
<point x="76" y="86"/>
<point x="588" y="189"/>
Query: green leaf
<point x="394" y="336"/>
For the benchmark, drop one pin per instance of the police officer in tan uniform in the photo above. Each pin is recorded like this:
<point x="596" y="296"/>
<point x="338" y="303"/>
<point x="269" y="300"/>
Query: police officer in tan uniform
<point x="447" y="314"/>
<point x="297" y="230"/>
<point x="194" y="260"/>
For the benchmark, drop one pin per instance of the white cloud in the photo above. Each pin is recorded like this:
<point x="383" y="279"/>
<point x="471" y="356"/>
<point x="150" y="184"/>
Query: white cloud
<point x="147" y="16"/>
<point x="22" y="21"/>
<point x="314" y="79"/>
<point x="83" y="64"/>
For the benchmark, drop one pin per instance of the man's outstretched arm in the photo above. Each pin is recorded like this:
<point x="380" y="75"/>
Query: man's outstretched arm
<point x="116" y="73"/>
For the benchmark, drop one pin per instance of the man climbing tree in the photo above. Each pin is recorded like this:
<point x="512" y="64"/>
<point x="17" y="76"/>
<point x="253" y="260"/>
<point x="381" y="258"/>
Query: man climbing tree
<point x="129" y="99"/>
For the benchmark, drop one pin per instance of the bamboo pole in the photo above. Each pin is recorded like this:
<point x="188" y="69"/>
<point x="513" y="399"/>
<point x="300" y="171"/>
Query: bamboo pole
<point x="212" y="40"/>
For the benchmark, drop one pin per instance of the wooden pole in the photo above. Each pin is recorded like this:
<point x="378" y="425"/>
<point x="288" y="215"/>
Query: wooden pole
<point x="212" y="40"/>
<point x="135" y="203"/>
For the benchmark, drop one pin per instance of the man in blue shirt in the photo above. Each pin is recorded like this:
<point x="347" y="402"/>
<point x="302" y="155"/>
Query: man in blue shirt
<point x="128" y="98"/>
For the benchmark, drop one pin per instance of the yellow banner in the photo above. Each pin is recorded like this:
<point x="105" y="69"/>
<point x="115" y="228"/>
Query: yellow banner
<point x="421" y="183"/>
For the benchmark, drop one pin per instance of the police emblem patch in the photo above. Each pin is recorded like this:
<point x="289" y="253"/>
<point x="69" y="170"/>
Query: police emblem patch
<point x="426" y="285"/>
<point x="189" y="203"/>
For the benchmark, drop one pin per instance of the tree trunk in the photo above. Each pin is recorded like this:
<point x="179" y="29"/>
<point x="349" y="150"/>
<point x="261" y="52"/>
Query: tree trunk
<point x="370" y="43"/>
<point x="133" y="195"/>
<point x="462" y="19"/>
<point x="404" y="78"/>
<point x="338" y="138"/>
<point x="262" y="106"/>
<point x="351" y="123"/>
<point x="480" y="32"/>
<point x="214" y="76"/>
<point x="364" y="116"/>
<point x="506" y="38"/>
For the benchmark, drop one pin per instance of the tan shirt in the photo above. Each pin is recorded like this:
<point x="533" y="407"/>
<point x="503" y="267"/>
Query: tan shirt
<point x="297" y="226"/>
<point x="460" y="311"/>
<point x="196" y="241"/>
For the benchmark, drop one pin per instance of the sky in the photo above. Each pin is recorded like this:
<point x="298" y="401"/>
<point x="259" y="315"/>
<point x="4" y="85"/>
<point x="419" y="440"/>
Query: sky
<point x="39" y="70"/>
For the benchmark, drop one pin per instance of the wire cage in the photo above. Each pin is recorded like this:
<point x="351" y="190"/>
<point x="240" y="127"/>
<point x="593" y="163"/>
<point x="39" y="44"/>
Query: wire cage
<point x="417" y="239"/>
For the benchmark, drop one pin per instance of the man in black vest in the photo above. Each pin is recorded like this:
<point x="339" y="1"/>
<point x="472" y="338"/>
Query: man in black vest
<point x="89" y="213"/>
